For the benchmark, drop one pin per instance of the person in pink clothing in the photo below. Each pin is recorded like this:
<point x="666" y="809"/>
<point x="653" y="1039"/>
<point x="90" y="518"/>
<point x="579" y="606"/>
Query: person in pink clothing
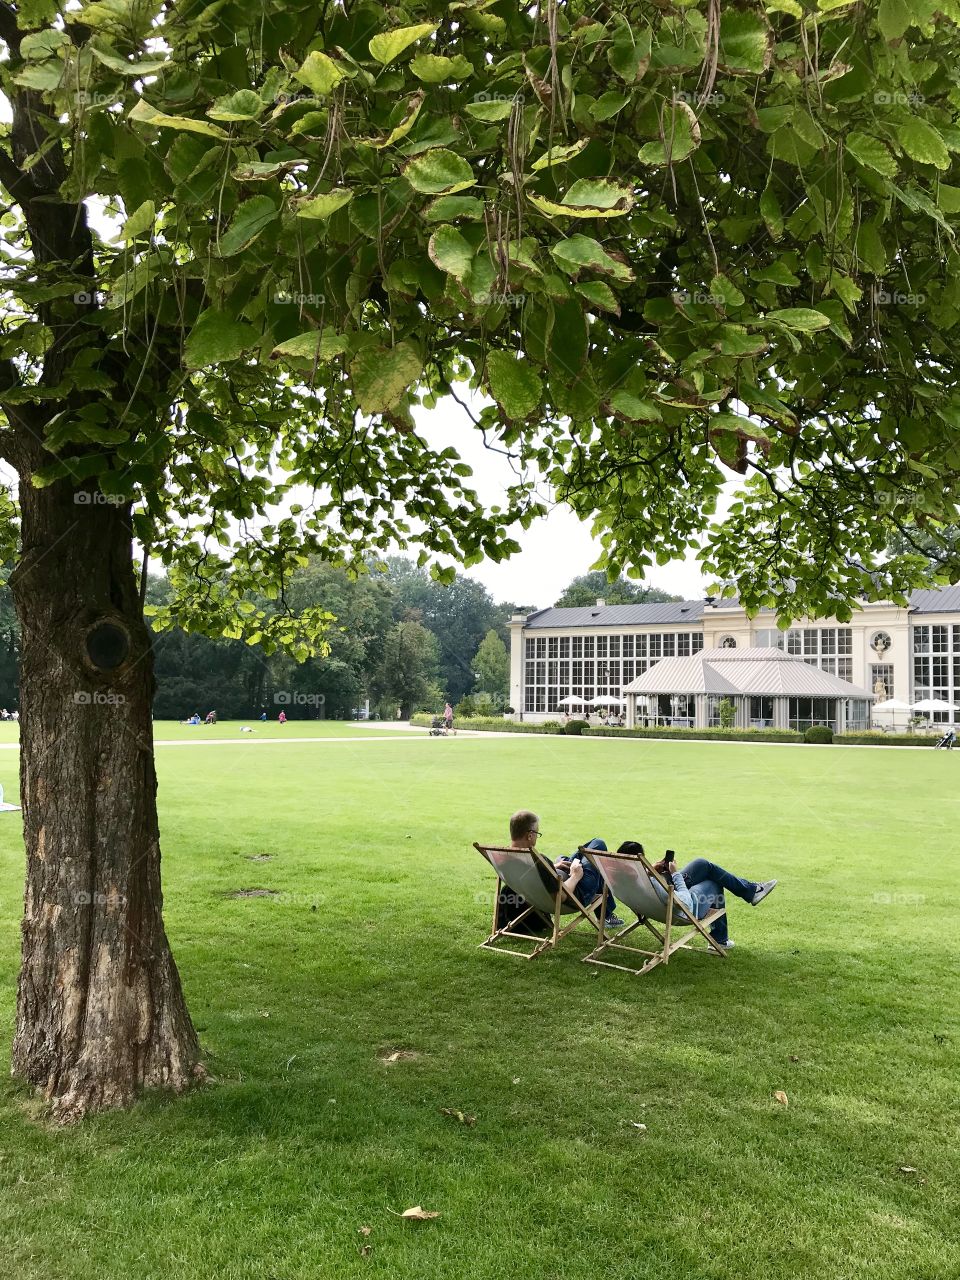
<point x="282" y="717"/>
<point x="448" y="715"/>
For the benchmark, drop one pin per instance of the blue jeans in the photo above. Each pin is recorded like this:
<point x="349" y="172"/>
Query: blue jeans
<point x="591" y="886"/>
<point x="706" y="882"/>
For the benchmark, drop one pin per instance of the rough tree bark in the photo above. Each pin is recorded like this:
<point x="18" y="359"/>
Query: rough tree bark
<point x="100" y="1010"/>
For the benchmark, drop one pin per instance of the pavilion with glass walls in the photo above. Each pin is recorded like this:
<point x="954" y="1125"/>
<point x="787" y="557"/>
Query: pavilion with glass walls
<point x="769" y="688"/>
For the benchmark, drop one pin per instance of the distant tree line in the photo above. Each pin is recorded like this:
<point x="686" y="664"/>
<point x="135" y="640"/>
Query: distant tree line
<point x="401" y="640"/>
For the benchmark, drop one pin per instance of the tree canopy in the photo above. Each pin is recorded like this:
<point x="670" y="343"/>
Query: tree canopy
<point x="665" y="240"/>
<point x="589" y="587"/>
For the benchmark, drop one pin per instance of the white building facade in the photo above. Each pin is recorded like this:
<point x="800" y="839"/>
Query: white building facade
<point x="907" y="653"/>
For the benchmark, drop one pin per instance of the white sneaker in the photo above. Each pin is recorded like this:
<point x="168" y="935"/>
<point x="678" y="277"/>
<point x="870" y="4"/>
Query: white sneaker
<point x="763" y="888"/>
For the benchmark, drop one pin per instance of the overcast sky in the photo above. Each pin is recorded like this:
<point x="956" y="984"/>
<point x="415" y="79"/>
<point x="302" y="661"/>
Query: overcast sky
<point x="555" y="549"/>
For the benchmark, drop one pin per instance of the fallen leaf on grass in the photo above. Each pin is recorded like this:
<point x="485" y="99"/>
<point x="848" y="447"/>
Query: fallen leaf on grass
<point x="907" y="1168"/>
<point x="366" y="1250"/>
<point x="397" y="1055"/>
<point x="364" y="1231"/>
<point x="794" y="1057"/>
<point x="636" y="1125"/>
<point x="416" y="1214"/>
<point x="781" y="1097"/>
<point x="516" y="1079"/>
<point x="461" y="1116"/>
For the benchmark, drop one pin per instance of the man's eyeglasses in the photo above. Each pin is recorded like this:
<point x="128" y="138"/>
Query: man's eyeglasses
<point x="536" y="833"/>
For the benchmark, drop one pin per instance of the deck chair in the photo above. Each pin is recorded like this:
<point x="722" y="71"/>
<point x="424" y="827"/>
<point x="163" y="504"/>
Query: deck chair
<point x="534" y="877"/>
<point x="630" y="878"/>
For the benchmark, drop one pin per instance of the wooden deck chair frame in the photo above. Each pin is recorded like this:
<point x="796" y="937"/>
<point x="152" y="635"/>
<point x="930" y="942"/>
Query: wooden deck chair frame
<point x="677" y="916"/>
<point x="563" y="902"/>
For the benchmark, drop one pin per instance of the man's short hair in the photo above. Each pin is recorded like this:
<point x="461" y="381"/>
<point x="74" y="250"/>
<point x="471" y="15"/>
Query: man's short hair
<point x="522" y="823"/>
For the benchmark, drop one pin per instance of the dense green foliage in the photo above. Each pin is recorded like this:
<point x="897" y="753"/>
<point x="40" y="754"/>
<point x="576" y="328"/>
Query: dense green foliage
<point x="491" y="665"/>
<point x="666" y="240"/>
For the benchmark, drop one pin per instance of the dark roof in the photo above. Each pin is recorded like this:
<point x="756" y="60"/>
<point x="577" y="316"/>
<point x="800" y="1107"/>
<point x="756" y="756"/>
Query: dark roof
<point x="937" y="600"/>
<point x="619" y="615"/>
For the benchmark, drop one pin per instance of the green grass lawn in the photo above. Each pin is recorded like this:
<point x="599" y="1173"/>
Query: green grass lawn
<point x="842" y="991"/>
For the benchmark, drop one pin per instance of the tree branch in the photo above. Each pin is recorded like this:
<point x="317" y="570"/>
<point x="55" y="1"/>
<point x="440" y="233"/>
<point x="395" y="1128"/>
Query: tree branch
<point x="10" y="33"/>
<point x="17" y="183"/>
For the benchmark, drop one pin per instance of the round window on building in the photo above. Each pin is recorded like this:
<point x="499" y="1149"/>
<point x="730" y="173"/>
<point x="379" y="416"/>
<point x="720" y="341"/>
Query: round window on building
<point x="728" y="642"/>
<point x="881" y="642"/>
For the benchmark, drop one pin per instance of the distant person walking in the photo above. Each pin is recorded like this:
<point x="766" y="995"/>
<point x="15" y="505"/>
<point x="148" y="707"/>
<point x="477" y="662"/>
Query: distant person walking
<point x="448" y="715"/>
<point x="282" y="717"/>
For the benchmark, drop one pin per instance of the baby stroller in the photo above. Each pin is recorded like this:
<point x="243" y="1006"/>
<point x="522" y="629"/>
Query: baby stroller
<point x="438" y="727"/>
<point x="947" y="741"/>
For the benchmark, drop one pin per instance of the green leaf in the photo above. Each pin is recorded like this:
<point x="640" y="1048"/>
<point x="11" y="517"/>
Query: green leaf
<point x="922" y="143"/>
<point x="44" y="76"/>
<point x="315" y="344"/>
<point x="320" y="73"/>
<point x="242" y="105"/>
<point x="629" y="53"/>
<point x="803" y="319"/>
<point x="449" y="208"/>
<point x="725" y="289"/>
<point x="249" y="220"/>
<point x="578" y="253"/>
<point x="496" y="109"/>
<point x="608" y="105"/>
<point x="217" y="337"/>
<point x="390" y="44"/>
<point x="871" y="152"/>
<point x="439" y="172"/>
<point x="380" y="376"/>
<point x="143" y="113"/>
<point x="514" y="384"/>
<point x="108" y="56"/>
<point x="434" y="69"/>
<point x="321" y="206"/>
<point x="559" y="155"/>
<point x="451" y="252"/>
<point x="893" y="18"/>
<point x="142" y="219"/>
<point x="746" y="42"/>
<point x="599" y="295"/>
<point x="681" y="137"/>
<point x="589" y="198"/>
<point x="634" y="408"/>
<point x="771" y="213"/>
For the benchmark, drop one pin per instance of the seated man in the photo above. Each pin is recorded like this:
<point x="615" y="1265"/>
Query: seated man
<point x="579" y="878"/>
<point x="700" y="885"/>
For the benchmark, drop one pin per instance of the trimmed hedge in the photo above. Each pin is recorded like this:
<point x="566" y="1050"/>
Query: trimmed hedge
<point x="493" y="724"/>
<point x="820" y="735"/>
<point x="703" y="735"/>
<point x="880" y="739"/>
<point x="490" y="724"/>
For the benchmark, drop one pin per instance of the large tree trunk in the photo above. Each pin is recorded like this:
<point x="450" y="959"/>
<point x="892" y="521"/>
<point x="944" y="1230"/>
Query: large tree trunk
<point x="100" y="1009"/>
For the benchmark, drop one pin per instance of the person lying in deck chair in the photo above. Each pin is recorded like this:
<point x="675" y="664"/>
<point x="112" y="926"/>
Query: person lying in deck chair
<point x="700" y="887"/>
<point x="587" y="882"/>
